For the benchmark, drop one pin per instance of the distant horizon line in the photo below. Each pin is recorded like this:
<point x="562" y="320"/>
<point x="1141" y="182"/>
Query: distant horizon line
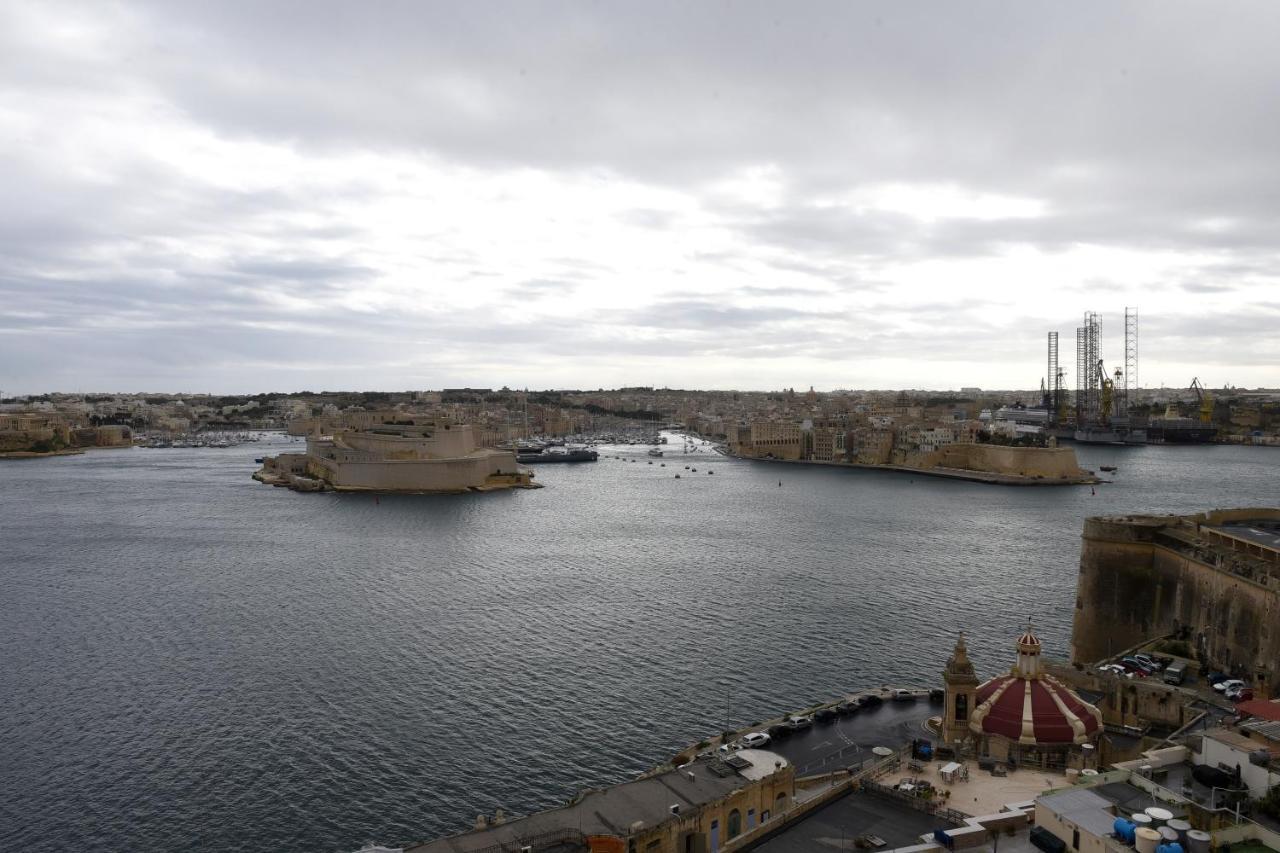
<point x="13" y="398"/>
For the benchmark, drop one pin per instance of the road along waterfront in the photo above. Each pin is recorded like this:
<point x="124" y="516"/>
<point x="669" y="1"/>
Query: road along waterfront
<point x="193" y="659"/>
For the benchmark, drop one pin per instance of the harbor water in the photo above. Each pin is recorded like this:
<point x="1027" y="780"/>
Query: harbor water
<point x="189" y="659"/>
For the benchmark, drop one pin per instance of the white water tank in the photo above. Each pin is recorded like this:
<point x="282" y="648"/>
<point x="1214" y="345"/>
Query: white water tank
<point x="1198" y="841"/>
<point x="1141" y="819"/>
<point x="1146" y="839"/>
<point x="1159" y="816"/>
<point x="1181" y="827"/>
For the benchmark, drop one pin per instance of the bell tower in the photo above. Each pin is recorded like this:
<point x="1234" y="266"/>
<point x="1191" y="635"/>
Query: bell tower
<point x="962" y="690"/>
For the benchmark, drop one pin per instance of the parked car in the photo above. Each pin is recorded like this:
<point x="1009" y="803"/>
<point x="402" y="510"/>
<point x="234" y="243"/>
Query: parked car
<point x="824" y="715"/>
<point x="755" y="740"/>
<point x="779" y="731"/>
<point x="904" y="695"/>
<point x="871" y="700"/>
<point x="796" y="722"/>
<point x="1224" y="686"/>
<point x="1239" y="694"/>
<point x="1133" y="665"/>
<point x="1152" y="663"/>
<point x="1215" y="677"/>
<point x="850" y="707"/>
<point x="1114" y="668"/>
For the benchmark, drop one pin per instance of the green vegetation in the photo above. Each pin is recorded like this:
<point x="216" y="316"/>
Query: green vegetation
<point x="1029" y="440"/>
<point x="1270" y="804"/>
<point x="1178" y="648"/>
<point x="48" y="445"/>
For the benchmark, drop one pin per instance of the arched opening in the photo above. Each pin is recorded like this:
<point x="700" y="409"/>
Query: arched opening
<point x="962" y="707"/>
<point x="735" y="823"/>
<point x="780" y="802"/>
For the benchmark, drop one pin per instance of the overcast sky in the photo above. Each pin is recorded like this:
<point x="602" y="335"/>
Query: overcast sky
<point x="277" y="196"/>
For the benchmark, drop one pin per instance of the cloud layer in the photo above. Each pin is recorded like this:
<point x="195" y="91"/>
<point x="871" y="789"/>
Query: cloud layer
<point x="248" y="196"/>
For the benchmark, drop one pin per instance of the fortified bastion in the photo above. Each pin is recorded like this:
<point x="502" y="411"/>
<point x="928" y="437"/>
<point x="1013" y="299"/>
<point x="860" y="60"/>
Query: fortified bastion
<point x="1212" y="579"/>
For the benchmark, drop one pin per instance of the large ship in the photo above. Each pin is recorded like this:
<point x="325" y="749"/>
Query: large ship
<point x="1180" y="431"/>
<point x="1117" y="435"/>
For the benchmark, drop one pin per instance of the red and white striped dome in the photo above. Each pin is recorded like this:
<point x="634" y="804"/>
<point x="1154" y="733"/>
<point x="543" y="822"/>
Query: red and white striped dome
<point x="1038" y="710"/>
<point x="1031" y="707"/>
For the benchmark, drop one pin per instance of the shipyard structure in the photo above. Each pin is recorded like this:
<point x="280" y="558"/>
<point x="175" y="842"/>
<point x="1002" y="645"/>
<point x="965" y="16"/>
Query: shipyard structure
<point x="1211" y="580"/>
<point x="406" y="455"/>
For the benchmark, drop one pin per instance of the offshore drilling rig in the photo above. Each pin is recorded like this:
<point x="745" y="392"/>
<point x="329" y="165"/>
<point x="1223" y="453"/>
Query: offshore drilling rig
<point x="1104" y="401"/>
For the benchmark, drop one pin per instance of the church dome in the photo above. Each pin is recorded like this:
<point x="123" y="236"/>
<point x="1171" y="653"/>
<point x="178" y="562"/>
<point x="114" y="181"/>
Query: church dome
<point x="1031" y="707"/>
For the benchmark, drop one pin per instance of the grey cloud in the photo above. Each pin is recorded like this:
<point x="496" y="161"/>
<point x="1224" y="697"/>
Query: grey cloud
<point x="715" y="316"/>
<point x="540" y="288"/>
<point x="1145" y="128"/>
<point x="1201" y="287"/>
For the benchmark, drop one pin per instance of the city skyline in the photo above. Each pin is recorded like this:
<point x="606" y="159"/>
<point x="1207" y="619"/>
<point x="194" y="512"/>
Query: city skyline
<point x="242" y="199"/>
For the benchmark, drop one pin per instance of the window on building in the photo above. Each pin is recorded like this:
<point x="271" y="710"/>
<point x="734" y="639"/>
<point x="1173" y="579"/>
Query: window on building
<point x="962" y="707"/>
<point x="1075" y="839"/>
<point x="735" y="823"/>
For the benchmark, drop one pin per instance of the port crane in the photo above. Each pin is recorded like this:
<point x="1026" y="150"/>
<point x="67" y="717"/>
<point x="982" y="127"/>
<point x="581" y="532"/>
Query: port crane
<point x="1206" y="400"/>
<point x="1108" y="386"/>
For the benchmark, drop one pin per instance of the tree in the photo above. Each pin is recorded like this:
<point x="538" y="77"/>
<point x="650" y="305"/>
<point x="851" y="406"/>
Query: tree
<point x="1270" y="804"/>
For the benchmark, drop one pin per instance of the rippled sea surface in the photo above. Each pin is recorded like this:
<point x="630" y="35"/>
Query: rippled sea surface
<point x="191" y="659"/>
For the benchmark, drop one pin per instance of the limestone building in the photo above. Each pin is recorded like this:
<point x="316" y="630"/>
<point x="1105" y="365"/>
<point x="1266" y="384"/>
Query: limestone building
<point x="1026" y="717"/>
<point x="961" y="690"/>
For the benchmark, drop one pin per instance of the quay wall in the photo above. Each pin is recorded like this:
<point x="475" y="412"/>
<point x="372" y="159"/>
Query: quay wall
<point x="1147" y="577"/>
<point x="1049" y="462"/>
<point x="427" y="475"/>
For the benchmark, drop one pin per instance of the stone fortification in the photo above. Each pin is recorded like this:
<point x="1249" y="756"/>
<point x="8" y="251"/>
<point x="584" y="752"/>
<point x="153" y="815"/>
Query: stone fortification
<point x="398" y="456"/>
<point x="1211" y="579"/>
<point x="1049" y="463"/>
<point x="39" y="434"/>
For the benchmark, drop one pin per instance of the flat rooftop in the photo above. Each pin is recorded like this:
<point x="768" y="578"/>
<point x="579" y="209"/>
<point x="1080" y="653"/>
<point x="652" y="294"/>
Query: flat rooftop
<point x="982" y="793"/>
<point x="837" y="825"/>
<point x="1264" y="533"/>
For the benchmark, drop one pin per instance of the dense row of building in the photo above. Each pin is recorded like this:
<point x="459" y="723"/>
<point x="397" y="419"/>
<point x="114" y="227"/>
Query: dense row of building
<point x="872" y="427"/>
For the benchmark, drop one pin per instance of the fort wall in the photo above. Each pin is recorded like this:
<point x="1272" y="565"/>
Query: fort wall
<point x="1145" y="577"/>
<point x="1049" y="462"/>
